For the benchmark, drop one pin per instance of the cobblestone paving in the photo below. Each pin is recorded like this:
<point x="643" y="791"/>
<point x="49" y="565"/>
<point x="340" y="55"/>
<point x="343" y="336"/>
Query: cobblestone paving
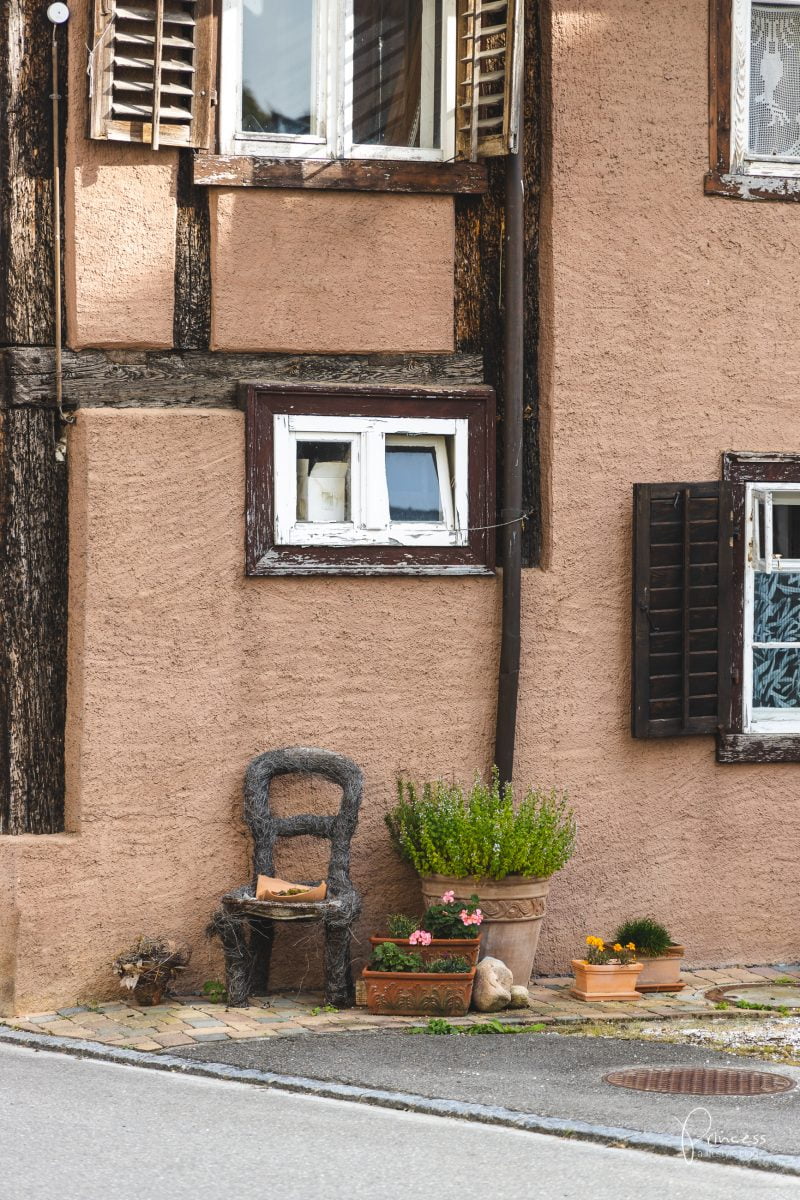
<point x="192" y="1020"/>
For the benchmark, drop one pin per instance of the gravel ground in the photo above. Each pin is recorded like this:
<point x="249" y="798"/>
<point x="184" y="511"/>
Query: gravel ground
<point x="774" y="1038"/>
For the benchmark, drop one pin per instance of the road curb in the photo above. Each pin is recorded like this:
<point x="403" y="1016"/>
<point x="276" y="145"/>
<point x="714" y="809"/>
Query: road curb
<point x="408" y="1102"/>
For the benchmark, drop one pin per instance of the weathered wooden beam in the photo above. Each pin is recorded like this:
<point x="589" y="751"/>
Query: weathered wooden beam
<point x="478" y="270"/>
<point x="192" y="314"/>
<point x="26" y="172"/>
<point x="33" y="621"/>
<point x="163" y="378"/>
<point x="362" y="175"/>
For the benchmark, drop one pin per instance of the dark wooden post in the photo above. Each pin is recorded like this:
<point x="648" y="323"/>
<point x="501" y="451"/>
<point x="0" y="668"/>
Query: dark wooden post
<point x="33" y="531"/>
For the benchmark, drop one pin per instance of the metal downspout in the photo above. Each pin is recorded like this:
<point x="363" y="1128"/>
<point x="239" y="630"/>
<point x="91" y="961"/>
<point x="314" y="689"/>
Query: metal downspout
<point x="510" y="517"/>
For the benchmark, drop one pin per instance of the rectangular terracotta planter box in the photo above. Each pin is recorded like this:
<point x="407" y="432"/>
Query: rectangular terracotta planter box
<point x="662" y="974"/>
<point x="408" y="994"/>
<point x="614" y="981"/>
<point x="439" y="948"/>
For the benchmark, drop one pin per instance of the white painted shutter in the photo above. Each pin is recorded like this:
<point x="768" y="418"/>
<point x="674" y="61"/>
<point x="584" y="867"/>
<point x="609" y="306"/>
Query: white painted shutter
<point x="150" y="72"/>
<point x="490" y="77"/>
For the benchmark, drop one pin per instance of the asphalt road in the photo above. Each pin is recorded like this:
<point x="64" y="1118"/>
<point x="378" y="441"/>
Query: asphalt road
<point x="546" y="1074"/>
<point x="83" y="1130"/>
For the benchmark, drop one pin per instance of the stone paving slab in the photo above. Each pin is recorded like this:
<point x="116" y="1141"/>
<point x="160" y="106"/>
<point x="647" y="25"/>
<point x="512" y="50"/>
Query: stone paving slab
<point x="193" y="1020"/>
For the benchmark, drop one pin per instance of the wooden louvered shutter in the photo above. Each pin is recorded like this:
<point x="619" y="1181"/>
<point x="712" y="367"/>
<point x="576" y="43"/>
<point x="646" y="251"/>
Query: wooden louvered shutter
<point x="490" y="71"/>
<point x="681" y="608"/>
<point x="151" y="57"/>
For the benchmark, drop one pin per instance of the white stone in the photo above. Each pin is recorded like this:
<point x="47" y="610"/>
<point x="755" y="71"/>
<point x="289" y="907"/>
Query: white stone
<point x="520" y="997"/>
<point x="493" y="982"/>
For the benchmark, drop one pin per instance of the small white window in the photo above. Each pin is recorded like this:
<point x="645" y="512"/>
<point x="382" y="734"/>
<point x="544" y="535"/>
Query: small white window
<point x="339" y="78"/>
<point x="383" y="481"/>
<point x="772" y="610"/>
<point x="765" y="93"/>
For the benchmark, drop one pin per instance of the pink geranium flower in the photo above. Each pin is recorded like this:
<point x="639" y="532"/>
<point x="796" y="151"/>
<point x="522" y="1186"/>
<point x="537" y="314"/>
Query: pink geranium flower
<point x="420" y="937"/>
<point x="448" y="897"/>
<point x="471" y="918"/>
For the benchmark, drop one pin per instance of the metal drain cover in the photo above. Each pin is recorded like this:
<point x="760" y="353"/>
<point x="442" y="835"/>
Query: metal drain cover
<point x="700" y="1081"/>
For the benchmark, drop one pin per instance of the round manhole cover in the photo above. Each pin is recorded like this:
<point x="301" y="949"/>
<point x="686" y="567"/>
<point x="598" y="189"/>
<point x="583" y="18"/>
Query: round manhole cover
<point x="700" y="1081"/>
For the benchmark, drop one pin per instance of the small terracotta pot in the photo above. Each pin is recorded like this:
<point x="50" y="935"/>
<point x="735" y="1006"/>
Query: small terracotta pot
<point x="439" y="948"/>
<point x="512" y="915"/>
<point x="612" y="981"/>
<point x="408" y="994"/>
<point x="148" y="992"/>
<point x="663" y="973"/>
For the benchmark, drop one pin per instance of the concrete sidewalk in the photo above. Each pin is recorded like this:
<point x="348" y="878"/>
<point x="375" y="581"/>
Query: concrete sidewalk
<point x="193" y="1020"/>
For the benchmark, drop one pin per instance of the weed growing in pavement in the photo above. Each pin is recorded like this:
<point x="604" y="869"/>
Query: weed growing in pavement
<point x="438" y="1025"/>
<point x="323" y="1008"/>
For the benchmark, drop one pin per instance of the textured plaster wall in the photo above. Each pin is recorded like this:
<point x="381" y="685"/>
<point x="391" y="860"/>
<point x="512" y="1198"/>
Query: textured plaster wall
<point x="119" y="230"/>
<point x="326" y="272"/>
<point x="181" y="670"/>
<point x="670" y="334"/>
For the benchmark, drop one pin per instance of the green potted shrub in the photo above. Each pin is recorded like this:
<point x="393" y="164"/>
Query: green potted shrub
<point x="447" y="927"/>
<point x="660" y="956"/>
<point x="481" y="843"/>
<point x="399" y="983"/>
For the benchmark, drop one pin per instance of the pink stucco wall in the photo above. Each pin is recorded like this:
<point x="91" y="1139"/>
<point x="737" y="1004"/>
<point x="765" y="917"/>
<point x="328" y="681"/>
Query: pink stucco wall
<point x="326" y="272"/>
<point x="181" y="670"/>
<point x="669" y="335"/>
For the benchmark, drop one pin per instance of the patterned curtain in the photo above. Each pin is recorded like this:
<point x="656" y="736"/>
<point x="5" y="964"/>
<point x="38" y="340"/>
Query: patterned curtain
<point x="776" y="618"/>
<point x="775" y="81"/>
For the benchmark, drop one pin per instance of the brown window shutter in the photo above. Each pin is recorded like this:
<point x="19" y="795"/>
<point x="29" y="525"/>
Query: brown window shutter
<point x="151" y="57"/>
<point x="489" y="76"/>
<point x="681" y="608"/>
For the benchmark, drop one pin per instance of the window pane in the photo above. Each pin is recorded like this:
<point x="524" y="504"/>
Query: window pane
<point x="776" y="616"/>
<point x="277" y="72"/>
<point x="776" y="678"/>
<point x="775" y="81"/>
<point x="413" y="483"/>
<point x="323" y="481"/>
<point x="397" y="68"/>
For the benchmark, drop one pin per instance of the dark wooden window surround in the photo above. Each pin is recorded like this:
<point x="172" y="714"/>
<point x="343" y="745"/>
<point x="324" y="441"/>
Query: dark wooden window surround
<point x="719" y="181"/>
<point x="263" y="557"/>
<point x="688" y="609"/>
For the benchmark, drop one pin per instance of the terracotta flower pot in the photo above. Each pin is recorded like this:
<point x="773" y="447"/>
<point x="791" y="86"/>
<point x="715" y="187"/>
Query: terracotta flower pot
<point x="512" y="915"/>
<point x="149" y="991"/>
<point x="662" y="974"/>
<point x="612" y="981"/>
<point x="439" y="948"/>
<point x="408" y="994"/>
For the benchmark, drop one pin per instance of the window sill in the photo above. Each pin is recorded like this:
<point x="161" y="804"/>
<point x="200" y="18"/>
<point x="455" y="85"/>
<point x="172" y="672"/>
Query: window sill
<point x="347" y="175"/>
<point x="758" y="748"/>
<point x="752" y="187"/>
<point x="295" y="560"/>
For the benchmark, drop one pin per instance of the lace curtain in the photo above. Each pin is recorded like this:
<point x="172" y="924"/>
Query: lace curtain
<point x="775" y="81"/>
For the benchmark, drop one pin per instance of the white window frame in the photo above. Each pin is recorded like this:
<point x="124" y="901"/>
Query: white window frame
<point x="333" y="88"/>
<point x="761" y="559"/>
<point x="370" y="524"/>
<point x="743" y="161"/>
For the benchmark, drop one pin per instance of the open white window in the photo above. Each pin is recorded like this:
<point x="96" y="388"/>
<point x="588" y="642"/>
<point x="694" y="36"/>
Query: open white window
<point x="417" y="80"/>
<point x="765" y="88"/>
<point x="383" y="481"/>
<point x="338" y="78"/>
<point x="771" y="676"/>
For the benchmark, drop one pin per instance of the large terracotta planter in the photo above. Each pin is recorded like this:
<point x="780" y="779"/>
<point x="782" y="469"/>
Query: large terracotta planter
<point x="439" y="948"/>
<point x="613" y="981"/>
<point x="408" y="994"/>
<point x="512" y="915"/>
<point x="662" y="974"/>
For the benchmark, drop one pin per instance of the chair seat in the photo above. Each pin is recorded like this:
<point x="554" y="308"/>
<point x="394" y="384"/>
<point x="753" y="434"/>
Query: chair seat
<point x="244" y="901"/>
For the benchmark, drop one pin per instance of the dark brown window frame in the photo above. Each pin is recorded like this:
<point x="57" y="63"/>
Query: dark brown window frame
<point x="719" y="181"/>
<point x="733" y="744"/>
<point x="264" y="558"/>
